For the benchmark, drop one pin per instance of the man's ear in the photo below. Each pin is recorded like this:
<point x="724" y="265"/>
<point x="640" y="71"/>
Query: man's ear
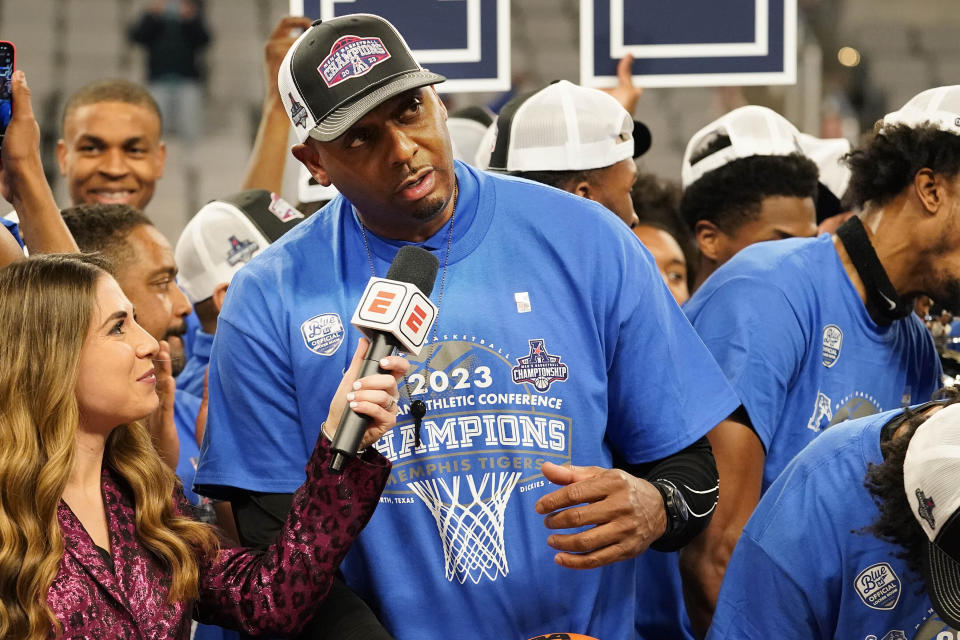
<point x="62" y="156"/>
<point x="582" y="189"/>
<point x="308" y="155"/>
<point x="709" y="239"/>
<point x="930" y="189"/>
<point x="219" y="293"/>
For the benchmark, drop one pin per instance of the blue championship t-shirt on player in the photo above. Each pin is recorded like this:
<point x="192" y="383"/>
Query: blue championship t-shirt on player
<point x="804" y="567"/>
<point x="556" y="341"/>
<point x="790" y="331"/>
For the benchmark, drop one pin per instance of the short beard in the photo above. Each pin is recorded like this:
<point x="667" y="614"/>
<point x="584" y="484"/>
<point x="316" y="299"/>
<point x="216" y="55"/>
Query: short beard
<point x="947" y="294"/>
<point x="429" y="209"/>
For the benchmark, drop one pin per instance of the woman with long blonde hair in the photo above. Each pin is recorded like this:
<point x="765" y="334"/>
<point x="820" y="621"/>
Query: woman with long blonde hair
<point x="95" y="540"/>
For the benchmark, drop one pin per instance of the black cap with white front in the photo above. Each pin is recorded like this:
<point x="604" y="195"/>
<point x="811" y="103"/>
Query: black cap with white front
<point x="340" y="69"/>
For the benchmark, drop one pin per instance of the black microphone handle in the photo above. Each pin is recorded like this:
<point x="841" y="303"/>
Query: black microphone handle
<point x="353" y="425"/>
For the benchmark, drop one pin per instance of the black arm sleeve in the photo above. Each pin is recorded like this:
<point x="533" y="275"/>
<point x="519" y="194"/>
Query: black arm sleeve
<point x="693" y="471"/>
<point x="342" y="615"/>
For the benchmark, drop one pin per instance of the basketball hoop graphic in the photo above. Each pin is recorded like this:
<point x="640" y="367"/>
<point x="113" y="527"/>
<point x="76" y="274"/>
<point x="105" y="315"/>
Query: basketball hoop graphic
<point x="472" y="531"/>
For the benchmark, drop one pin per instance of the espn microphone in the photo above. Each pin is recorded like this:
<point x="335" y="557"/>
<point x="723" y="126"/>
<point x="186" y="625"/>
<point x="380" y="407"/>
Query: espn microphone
<point x="394" y="313"/>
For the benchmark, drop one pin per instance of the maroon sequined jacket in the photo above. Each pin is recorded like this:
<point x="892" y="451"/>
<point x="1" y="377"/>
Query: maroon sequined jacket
<point x="271" y="591"/>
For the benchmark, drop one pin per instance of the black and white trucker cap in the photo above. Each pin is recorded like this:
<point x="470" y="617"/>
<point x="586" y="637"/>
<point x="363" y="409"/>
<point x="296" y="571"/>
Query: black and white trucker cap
<point x="340" y="69"/>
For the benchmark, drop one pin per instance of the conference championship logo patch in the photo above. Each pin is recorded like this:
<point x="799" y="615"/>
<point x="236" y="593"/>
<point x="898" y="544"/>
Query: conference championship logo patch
<point x="832" y="341"/>
<point x="240" y="251"/>
<point x="298" y="113"/>
<point x="925" y="507"/>
<point x="352" y="57"/>
<point x="539" y="367"/>
<point x="878" y="587"/>
<point x="323" y="334"/>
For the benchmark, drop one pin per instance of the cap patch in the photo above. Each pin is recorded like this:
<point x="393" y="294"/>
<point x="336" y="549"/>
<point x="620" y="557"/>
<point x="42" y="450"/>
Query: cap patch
<point x="283" y="210"/>
<point x="240" y="250"/>
<point x="351" y="57"/>
<point x="298" y="114"/>
<point x="925" y="508"/>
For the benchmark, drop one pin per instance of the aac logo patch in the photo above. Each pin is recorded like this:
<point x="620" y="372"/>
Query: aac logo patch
<point x="540" y="368"/>
<point x="298" y="113"/>
<point x="832" y="341"/>
<point x="323" y="334"/>
<point x="878" y="586"/>
<point x="240" y="250"/>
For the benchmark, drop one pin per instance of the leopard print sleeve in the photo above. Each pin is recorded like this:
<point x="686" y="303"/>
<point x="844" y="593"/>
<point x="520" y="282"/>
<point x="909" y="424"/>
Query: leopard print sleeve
<point x="277" y="590"/>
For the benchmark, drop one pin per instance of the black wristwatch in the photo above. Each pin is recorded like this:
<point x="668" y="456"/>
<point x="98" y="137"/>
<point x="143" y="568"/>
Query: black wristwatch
<point x="674" y="504"/>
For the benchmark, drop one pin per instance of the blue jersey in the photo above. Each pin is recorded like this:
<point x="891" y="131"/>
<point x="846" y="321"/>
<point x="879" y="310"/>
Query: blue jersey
<point x="190" y="379"/>
<point x="790" y="331"/>
<point x="556" y="341"/>
<point x="14" y="230"/>
<point x="185" y="410"/>
<point x="805" y="569"/>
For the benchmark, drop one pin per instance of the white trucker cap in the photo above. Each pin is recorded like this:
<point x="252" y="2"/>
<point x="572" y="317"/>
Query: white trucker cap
<point x="939" y="107"/>
<point x="930" y="471"/>
<point x="225" y="234"/>
<point x="753" y="131"/>
<point x="565" y="127"/>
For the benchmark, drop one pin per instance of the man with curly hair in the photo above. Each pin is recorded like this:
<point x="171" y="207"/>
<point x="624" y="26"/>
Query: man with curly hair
<point x="881" y="511"/>
<point x="812" y="332"/>
<point x="745" y="180"/>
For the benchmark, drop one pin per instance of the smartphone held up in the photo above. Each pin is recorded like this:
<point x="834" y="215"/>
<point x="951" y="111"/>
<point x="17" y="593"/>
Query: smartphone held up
<point x="7" y="55"/>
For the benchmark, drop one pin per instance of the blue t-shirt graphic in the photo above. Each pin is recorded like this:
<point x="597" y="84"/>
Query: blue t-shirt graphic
<point x="805" y="569"/>
<point x="556" y="340"/>
<point x="797" y="344"/>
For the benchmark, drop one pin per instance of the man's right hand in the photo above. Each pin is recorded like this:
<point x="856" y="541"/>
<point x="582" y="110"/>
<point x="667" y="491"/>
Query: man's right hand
<point x="21" y="143"/>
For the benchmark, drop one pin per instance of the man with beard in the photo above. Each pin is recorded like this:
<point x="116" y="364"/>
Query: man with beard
<point x="878" y="499"/>
<point x="812" y="332"/>
<point x="533" y="363"/>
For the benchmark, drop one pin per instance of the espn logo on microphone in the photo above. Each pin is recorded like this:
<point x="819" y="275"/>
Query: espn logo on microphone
<point x="397" y="308"/>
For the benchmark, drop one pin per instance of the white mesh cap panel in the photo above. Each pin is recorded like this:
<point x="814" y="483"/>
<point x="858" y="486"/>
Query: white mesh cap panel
<point x="565" y="127"/>
<point x="753" y="131"/>
<point x="204" y="247"/>
<point x="932" y="466"/>
<point x="939" y="107"/>
<point x="827" y="154"/>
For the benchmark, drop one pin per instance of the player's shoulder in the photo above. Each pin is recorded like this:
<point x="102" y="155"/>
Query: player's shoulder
<point x="306" y="245"/>
<point x="767" y="275"/>
<point x="812" y="482"/>
<point x="537" y="205"/>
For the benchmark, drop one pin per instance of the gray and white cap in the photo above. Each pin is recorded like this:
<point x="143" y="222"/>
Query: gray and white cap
<point x="338" y="70"/>
<point x="930" y="471"/>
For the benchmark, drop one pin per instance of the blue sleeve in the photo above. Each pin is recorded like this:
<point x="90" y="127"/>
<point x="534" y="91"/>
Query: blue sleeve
<point x="735" y="323"/>
<point x="253" y="438"/>
<point x="14" y="230"/>
<point x="665" y="390"/>
<point x="760" y="600"/>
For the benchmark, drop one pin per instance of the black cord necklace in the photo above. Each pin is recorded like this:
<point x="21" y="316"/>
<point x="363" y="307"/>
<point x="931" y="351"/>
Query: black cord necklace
<point x="418" y="408"/>
<point x="882" y="297"/>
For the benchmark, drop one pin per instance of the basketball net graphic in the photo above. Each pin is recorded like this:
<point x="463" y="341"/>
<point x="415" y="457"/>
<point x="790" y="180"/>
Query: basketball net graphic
<point x="471" y="531"/>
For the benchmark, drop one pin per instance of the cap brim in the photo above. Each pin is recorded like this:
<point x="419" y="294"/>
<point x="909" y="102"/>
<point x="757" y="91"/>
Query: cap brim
<point x="942" y="575"/>
<point x="641" y="139"/>
<point x="342" y="118"/>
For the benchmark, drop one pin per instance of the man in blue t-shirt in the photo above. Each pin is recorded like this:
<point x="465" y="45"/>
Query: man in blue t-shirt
<point x="217" y="242"/>
<point x="556" y="343"/>
<point x="876" y="496"/>
<point x="814" y="332"/>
